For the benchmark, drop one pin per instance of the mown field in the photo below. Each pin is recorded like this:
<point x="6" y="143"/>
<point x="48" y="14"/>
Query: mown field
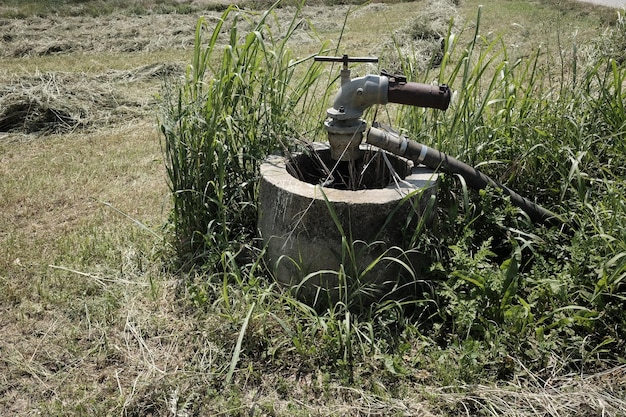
<point x="103" y="315"/>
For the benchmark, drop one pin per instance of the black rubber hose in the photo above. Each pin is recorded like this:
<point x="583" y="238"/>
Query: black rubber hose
<point x="434" y="159"/>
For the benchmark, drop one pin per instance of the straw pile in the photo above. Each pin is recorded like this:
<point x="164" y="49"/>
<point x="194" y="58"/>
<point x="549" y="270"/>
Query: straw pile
<point x="56" y="102"/>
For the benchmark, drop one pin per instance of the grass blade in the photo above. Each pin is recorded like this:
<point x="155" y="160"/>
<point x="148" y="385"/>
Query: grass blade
<point x="235" y="358"/>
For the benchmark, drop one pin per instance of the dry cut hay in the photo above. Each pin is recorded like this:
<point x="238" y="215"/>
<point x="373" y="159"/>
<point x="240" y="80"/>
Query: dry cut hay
<point x="29" y="114"/>
<point x="44" y="36"/>
<point x="421" y="40"/>
<point x="601" y="394"/>
<point x="39" y="104"/>
<point x="56" y="102"/>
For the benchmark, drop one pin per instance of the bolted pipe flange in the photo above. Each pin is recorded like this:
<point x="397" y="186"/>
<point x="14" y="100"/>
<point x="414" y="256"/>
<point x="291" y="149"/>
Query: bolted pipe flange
<point x="344" y="137"/>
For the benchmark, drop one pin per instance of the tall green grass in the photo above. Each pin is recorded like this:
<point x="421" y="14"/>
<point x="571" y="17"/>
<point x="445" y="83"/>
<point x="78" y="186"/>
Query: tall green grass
<point x="520" y="120"/>
<point x="551" y="127"/>
<point x="500" y="296"/>
<point x="239" y="102"/>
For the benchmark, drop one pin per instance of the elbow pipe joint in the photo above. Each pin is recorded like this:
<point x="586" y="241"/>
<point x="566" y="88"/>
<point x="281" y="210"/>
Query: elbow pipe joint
<point x="356" y="95"/>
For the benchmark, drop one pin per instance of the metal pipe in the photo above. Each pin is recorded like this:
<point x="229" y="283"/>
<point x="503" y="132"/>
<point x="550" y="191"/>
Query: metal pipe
<point x="420" y="95"/>
<point x="356" y="95"/>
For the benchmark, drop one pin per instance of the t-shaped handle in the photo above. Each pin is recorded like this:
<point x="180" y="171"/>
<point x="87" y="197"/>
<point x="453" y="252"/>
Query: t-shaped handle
<point x="345" y="59"/>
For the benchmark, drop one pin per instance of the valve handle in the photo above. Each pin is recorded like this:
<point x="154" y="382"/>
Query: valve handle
<point x="345" y="59"/>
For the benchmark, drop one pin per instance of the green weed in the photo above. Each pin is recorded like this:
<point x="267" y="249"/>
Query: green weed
<point x="495" y="286"/>
<point x="230" y="113"/>
<point x="501" y="279"/>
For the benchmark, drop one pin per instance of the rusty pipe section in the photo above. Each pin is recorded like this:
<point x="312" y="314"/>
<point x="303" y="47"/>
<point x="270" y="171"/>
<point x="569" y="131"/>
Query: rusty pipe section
<point x="418" y="94"/>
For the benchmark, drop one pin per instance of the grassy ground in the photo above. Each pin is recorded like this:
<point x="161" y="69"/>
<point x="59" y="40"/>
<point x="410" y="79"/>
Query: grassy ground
<point x="93" y="323"/>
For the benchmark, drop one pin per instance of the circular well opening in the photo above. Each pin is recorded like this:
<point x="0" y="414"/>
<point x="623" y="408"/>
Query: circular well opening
<point x="374" y="170"/>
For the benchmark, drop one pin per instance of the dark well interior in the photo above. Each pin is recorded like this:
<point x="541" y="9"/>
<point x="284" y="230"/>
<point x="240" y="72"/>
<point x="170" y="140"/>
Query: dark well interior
<point x="374" y="170"/>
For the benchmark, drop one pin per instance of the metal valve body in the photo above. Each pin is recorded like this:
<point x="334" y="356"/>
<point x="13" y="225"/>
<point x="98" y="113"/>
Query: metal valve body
<point x="344" y="124"/>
